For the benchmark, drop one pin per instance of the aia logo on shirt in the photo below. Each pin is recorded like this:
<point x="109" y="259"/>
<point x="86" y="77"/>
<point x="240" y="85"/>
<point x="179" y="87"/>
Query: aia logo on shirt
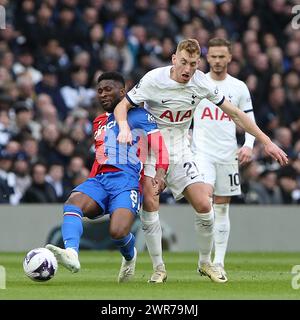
<point x="178" y="116"/>
<point x="217" y="114"/>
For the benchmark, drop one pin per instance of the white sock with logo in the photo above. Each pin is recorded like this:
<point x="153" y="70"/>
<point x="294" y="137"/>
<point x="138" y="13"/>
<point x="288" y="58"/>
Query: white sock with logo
<point x="204" y="225"/>
<point x="222" y="230"/>
<point x="153" y="236"/>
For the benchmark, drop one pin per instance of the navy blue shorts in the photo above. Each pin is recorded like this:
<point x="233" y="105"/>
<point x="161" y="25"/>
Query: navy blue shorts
<point x="113" y="190"/>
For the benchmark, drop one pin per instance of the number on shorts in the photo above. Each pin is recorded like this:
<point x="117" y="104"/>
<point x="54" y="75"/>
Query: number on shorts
<point x="234" y="179"/>
<point x="191" y="170"/>
<point x="134" y="197"/>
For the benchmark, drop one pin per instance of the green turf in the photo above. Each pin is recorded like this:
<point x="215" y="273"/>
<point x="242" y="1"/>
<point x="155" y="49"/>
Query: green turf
<point x="251" y="276"/>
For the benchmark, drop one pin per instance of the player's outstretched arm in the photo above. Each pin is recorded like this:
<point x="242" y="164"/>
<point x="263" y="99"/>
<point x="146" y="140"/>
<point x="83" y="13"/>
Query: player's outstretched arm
<point x="120" y="114"/>
<point x="241" y="119"/>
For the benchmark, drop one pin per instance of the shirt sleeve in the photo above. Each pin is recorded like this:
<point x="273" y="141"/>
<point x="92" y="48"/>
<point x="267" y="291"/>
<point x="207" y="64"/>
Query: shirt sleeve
<point x="141" y="92"/>
<point x="245" y="104"/>
<point x="142" y="119"/>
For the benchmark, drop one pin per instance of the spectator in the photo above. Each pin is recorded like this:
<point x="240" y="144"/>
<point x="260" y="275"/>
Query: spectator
<point x="7" y="178"/>
<point x="40" y="191"/>
<point x="265" y="191"/>
<point x="283" y="137"/>
<point x="50" y="86"/>
<point x="56" y="178"/>
<point x="24" y="123"/>
<point x="118" y="49"/>
<point x="24" y="65"/>
<point x="48" y="143"/>
<point x="22" y="177"/>
<point x="5" y="130"/>
<point x="290" y="191"/>
<point x="30" y="147"/>
<point x="76" y="94"/>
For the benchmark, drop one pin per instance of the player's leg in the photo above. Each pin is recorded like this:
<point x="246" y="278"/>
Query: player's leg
<point x="120" y="226"/>
<point x="227" y="185"/>
<point x="123" y="210"/>
<point x="199" y="196"/>
<point x="222" y="228"/>
<point x="152" y="230"/>
<point x="84" y="201"/>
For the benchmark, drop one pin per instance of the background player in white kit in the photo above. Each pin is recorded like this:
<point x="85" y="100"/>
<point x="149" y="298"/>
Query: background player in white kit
<point x="214" y="142"/>
<point x="171" y="94"/>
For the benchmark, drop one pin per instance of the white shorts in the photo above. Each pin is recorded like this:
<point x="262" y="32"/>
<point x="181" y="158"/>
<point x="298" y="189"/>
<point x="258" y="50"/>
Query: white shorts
<point x="179" y="175"/>
<point x="224" y="177"/>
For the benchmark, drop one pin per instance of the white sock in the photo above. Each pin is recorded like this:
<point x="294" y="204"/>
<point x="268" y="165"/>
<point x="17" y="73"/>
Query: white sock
<point x="222" y="229"/>
<point x="204" y="225"/>
<point x="153" y="236"/>
<point x="73" y="251"/>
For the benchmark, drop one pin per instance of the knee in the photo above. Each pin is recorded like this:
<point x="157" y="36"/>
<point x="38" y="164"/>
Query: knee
<point x="73" y="200"/>
<point x="203" y="206"/>
<point x="118" y="232"/>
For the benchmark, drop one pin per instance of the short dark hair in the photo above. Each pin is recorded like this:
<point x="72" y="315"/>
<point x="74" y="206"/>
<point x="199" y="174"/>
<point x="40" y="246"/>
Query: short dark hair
<point x="220" y="42"/>
<point x="116" y="76"/>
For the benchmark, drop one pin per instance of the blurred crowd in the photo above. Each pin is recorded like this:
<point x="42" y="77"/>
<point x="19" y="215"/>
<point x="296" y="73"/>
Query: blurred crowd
<point x="52" y="51"/>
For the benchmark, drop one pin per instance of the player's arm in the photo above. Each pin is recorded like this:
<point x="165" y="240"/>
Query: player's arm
<point x="134" y="98"/>
<point x="120" y="114"/>
<point x="245" y="152"/>
<point x="157" y="145"/>
<point x="241" y="119"/>
<point x="245" y="104"/>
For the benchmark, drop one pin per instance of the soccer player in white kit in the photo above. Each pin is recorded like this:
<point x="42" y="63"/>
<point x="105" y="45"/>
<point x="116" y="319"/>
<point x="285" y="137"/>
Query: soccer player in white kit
<point x="171" y="94"/>
<point x="214" y="142"/>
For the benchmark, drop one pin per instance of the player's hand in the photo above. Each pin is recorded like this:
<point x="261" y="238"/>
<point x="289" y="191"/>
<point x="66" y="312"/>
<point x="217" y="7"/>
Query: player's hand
<point x="272" y="150"/>
<point x="158" y="181"/>
<point x="244" y="155"/>
<point x="124" y="135"/>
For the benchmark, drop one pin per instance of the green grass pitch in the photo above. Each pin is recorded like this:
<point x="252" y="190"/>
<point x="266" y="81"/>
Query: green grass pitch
<point x="251" y="276"/>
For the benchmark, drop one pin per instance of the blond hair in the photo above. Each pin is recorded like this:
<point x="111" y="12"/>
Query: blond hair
<point x="190" y="45"/>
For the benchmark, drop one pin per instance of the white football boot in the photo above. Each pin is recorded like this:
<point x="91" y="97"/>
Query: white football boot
<point x="221" y="268"/>
<point x="213" y="272"/>
<point x="67" y="257"/>
<point x="159" y="275"/>
<point x="127" y="269"/>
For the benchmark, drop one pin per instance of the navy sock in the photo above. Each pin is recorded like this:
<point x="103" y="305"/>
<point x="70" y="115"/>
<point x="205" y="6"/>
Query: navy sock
<point x="126" y="246"/>
<point x="72" y="226"/>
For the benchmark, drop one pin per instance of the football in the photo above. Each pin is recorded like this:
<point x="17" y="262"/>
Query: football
<point x="40" y="264"/>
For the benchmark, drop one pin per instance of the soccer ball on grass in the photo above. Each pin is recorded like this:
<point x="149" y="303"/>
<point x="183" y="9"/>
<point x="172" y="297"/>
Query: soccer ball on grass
<point x="40" y="264"/>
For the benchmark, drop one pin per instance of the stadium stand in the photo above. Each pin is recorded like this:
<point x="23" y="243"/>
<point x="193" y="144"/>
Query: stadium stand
<point x="52" y="51"/>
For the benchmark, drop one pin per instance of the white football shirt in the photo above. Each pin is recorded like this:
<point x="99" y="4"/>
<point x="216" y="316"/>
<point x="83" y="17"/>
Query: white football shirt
<point x="173" y="104"/>
<point x="214" y="132"/>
